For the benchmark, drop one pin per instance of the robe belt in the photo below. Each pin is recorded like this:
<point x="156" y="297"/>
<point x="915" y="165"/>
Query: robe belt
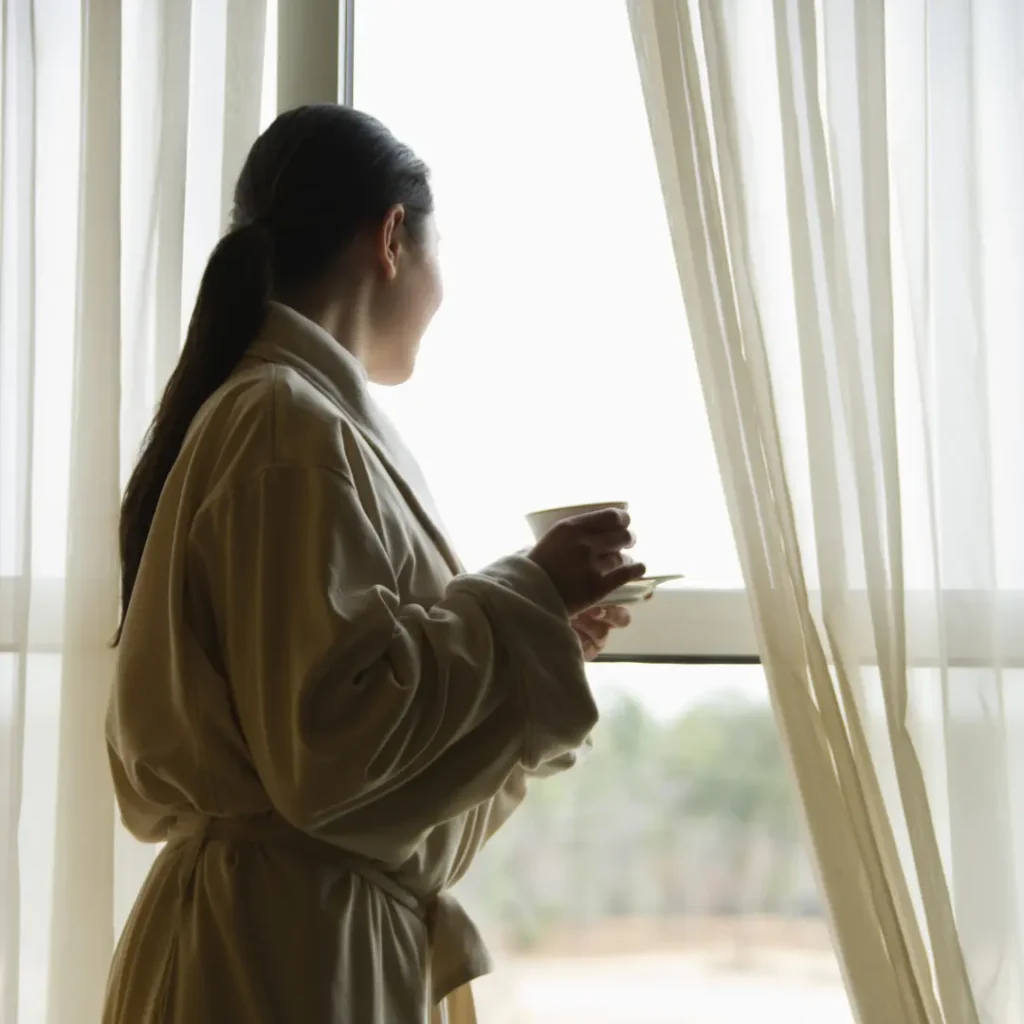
<point x="457" y="951"/>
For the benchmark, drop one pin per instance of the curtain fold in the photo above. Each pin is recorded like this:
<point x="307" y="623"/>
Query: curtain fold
<point x="83" y="886"/>
<point x="17" y="380"/>
<point x="115" y="156"/>
<point x="243" y="90"/>
<point x="838" y="179"/>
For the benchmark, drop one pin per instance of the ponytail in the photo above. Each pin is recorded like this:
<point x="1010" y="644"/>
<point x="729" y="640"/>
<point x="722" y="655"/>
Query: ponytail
<point x="317" y="176"/>
<point x="229" y="313"/>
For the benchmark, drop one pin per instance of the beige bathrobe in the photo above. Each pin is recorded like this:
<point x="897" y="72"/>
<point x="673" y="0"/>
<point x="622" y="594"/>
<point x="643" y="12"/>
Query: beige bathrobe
<point x="320" y="713"/>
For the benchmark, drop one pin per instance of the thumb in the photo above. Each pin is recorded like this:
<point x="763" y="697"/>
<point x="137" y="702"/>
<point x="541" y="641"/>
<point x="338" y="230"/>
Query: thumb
<point x="622" y="575"/>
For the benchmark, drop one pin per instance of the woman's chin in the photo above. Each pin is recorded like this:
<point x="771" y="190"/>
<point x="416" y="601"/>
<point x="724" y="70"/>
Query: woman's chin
<point x="394" y="368"/>
<point x="392" y="376"/>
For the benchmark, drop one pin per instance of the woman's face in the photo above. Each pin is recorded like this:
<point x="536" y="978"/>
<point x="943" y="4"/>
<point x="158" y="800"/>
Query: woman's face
<point x="409" y="295"/>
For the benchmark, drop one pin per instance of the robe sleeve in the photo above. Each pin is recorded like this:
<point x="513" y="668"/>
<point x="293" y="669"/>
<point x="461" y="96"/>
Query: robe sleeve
<point x="345" y="694"/>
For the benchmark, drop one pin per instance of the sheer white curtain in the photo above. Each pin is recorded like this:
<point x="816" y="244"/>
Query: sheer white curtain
<point x="843" y="181"/>
<point x="122" y="124"/>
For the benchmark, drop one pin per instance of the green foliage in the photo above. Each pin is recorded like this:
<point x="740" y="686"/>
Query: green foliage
<point x="663" y="819"/>
<point x="726" y="759"/>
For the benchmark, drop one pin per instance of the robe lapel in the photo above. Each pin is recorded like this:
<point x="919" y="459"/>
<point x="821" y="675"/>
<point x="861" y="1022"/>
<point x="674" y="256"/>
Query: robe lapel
<point x="407" y="476"/>
<point x="290" y="338"/>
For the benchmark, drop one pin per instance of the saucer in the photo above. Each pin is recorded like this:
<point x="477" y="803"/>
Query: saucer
<point x="637" y="590"/>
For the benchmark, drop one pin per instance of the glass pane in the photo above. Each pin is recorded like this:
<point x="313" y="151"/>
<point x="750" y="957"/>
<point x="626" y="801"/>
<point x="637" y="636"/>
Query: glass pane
<point x="51" y="335"/>
<point x="559" y="369"/>
<point x="36" y="823"/>
<point x="664" y="878"/>
<point x="37" y="819"/>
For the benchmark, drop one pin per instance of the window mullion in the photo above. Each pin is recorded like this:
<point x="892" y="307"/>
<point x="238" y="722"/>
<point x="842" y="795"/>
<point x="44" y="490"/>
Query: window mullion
<point x="308" y="49"/>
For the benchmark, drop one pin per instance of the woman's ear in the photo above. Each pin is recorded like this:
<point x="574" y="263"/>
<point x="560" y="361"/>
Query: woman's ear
<point x="389" y="244"/>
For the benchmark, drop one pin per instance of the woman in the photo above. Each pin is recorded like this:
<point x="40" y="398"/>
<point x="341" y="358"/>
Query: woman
<point x="320" y="714"/>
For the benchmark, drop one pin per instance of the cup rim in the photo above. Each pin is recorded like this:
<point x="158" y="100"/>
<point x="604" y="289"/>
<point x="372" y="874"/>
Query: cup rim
<point x="570" y="509"/>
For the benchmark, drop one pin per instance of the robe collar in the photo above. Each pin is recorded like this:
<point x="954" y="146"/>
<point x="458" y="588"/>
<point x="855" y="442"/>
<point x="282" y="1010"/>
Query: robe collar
<point x="290" y="339"/>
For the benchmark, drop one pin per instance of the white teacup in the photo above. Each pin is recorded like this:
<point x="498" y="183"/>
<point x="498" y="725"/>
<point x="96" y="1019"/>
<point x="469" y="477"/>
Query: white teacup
<point x="542" y="521"/>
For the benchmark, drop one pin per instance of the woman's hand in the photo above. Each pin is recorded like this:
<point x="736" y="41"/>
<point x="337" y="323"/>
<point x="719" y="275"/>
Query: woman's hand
<point x="593" y="627"/>
<point x="584" y="557"/>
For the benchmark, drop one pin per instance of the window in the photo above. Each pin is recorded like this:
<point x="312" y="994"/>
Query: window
<point x="672" y="881"/>
<point x="557" y="368"/>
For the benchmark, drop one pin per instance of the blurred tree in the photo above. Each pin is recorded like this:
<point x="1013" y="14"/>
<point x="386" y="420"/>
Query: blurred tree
<point x="660" y="820"/>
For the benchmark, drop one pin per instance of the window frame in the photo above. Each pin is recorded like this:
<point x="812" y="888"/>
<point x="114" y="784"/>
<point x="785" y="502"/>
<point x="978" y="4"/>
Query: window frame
<point x="949" y="628"/>
<point x="311" y="61"/>
<point x="688" y="625"/>
<point x="680" y="626"/>
<point x="683" y="624"/>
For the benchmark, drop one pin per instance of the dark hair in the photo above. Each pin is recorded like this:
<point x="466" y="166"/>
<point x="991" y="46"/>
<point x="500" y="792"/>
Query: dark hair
<point x="311" y="182"/>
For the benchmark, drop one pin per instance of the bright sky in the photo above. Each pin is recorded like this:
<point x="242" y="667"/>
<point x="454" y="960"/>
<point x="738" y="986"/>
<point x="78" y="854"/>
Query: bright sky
<point x="559" y="369"/>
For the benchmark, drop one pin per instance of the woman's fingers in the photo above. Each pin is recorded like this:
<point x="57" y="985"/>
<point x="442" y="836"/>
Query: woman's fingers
<point x="617" y="616"/>
<point x="596" y="633"/>
<point x="599" y="622"/>
<point x="620" y="576"/>
<point x="593" y="627"/>
<point x="599" y="522"/>
<point x="593" y="622"/>
<point x="608" y="541"/>
<point x="583" y="557"/>
<point x="610" y="560"/>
